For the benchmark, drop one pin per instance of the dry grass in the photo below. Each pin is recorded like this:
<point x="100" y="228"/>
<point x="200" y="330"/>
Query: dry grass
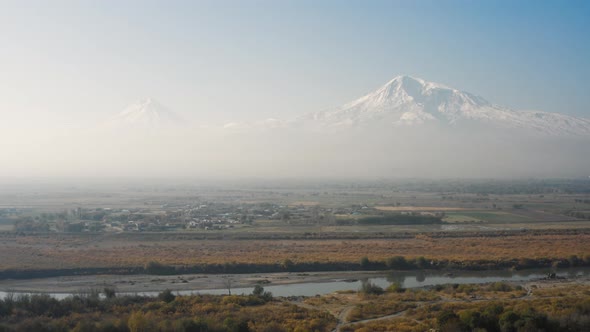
<point x="49" y="252"/>
<point x="335" y="304"/>
<point x="557" y="300"/>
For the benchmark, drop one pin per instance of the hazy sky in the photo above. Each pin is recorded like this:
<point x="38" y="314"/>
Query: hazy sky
<point x="66" y="67"/>
<point x="216" y="61"/>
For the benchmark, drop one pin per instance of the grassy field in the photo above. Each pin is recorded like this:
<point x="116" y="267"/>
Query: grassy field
<point x="487" y="216"/>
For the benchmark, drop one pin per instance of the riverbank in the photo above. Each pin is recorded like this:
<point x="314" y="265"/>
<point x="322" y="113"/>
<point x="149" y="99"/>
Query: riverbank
<point x="281" y="284"/>
<point x="151" y="283"/>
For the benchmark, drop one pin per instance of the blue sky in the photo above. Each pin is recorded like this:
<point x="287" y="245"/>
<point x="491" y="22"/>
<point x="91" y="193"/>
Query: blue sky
<point x="237" y="60"/>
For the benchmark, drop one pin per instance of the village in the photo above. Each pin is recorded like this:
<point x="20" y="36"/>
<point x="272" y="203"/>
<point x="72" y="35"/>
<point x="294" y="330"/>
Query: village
<point x="201" y="216"/>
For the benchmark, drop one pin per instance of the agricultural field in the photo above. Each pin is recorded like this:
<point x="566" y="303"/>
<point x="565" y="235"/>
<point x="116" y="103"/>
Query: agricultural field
<point x="490" y="217"/>
<point x="150" y="238"/>
<point x="129" y="225"/>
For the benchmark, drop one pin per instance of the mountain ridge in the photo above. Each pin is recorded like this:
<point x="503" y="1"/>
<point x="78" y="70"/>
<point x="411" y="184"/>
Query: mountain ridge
<point x="145" y="113"/>
<point x="411" y="101"/>
<point x="404" y="101"/>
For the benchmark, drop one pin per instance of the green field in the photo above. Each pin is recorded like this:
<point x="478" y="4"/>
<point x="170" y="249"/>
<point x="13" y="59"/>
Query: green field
<point x="486" y="216"/>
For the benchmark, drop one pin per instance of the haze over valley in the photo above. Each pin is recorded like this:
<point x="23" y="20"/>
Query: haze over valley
<point x="408" y="127"/>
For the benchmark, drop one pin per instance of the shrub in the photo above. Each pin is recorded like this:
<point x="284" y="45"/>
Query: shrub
<point x="154" y="267"/>
<point x="396" y="262"/>
<point x="370" y="288"/>
<point x="365" y="262"/>
<point x="287" y="264"/>
<point x="166" y="296"/>
<point x="395" y="287"/>
<point x="448" y="321"/>
<point x="258" y="290"/>
<point x="421" y="262"/>
<point x="109" y="292"/>
<point x="500" y="287"/>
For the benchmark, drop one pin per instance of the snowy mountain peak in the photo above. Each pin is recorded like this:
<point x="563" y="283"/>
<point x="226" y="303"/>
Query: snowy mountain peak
<point x="410" y="82"/>
<point x="147" y="113"/>
<point x="407" y="89"/>
<point x="407" y="100"/>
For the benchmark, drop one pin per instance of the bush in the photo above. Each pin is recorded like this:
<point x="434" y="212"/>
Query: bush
<point x="370" y="288"/>
<point x="500" y="287"/>
<point x="166" y="296"/>
<point x="258" y="290"/>
<point x="190" y="325"/>
<point x="85" y="326"/>
<point x="365" y="263"/>
<point x="142" y="322"/>
<point x="154" y="267"/>
<point x="395" y="287"/>
<point x="396" y="262"/>
<point x="287" y="264"/>
<point x="5" y="309"/>
<point x="109" y="292"/>
<point x="421" y="262"/>
<point x="448" y="321"/>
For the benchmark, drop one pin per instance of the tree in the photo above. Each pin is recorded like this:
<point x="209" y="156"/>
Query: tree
<point x="193" y="325"/>
<point x="85" y="326"/>
<point x="287" y="264"/>
<point x="109" y="292"/>
<point x="507" y="321"/>
<point x="421" y="262"/>
<point x="573" y="260"/>
<point x="285" y="216"/>
<point x="396" y="262"/>
<point x="448" y="321"/>
<point x="227" y="282"/>
<point x="166" y="296"/>
<point x="370" y="289"/>
<point x="365" y="262"/>
<point x="258" y="290"/>
<point x="471" y="319"/>
<point x="137" y="322"/>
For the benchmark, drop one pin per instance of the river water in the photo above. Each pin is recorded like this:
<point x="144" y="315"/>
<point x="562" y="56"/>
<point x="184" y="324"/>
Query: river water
<point x="407" y="279"/>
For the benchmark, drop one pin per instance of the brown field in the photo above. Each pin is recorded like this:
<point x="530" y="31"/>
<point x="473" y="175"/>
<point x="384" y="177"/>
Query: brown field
<point x="54" y="251"/>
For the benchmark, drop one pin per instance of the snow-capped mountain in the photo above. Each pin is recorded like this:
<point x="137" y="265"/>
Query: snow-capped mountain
<point x="407" y="101"/>
<point x="145" y="113"/>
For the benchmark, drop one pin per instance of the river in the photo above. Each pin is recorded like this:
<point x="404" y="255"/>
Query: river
<point x="407" y="279"/>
